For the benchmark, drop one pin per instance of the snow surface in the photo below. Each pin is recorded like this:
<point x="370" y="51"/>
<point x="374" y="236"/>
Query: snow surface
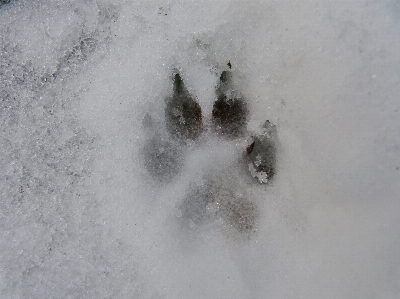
<point x="82" y="218"/>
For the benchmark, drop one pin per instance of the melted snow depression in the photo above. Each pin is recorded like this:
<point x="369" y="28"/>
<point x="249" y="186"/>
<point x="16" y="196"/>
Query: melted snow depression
<point x="199" y="149"/>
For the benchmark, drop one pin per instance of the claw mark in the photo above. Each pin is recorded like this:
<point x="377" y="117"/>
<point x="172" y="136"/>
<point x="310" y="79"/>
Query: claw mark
<point x="250" y="148"/>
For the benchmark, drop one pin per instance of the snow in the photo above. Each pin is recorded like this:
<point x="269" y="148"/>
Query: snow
<point x="83" y="88"/>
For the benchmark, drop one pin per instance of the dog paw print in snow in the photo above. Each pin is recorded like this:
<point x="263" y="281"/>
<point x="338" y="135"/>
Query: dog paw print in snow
<point x="219" y="146"/>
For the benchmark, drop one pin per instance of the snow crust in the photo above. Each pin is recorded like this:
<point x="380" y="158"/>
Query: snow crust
<point x="81" y="217"/>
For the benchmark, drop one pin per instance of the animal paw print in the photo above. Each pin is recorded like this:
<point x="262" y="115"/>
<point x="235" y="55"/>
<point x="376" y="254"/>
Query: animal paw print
<point x="216" y="198"/>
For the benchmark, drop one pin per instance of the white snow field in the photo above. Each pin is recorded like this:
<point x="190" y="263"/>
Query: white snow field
<point x="97" y="199"/>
